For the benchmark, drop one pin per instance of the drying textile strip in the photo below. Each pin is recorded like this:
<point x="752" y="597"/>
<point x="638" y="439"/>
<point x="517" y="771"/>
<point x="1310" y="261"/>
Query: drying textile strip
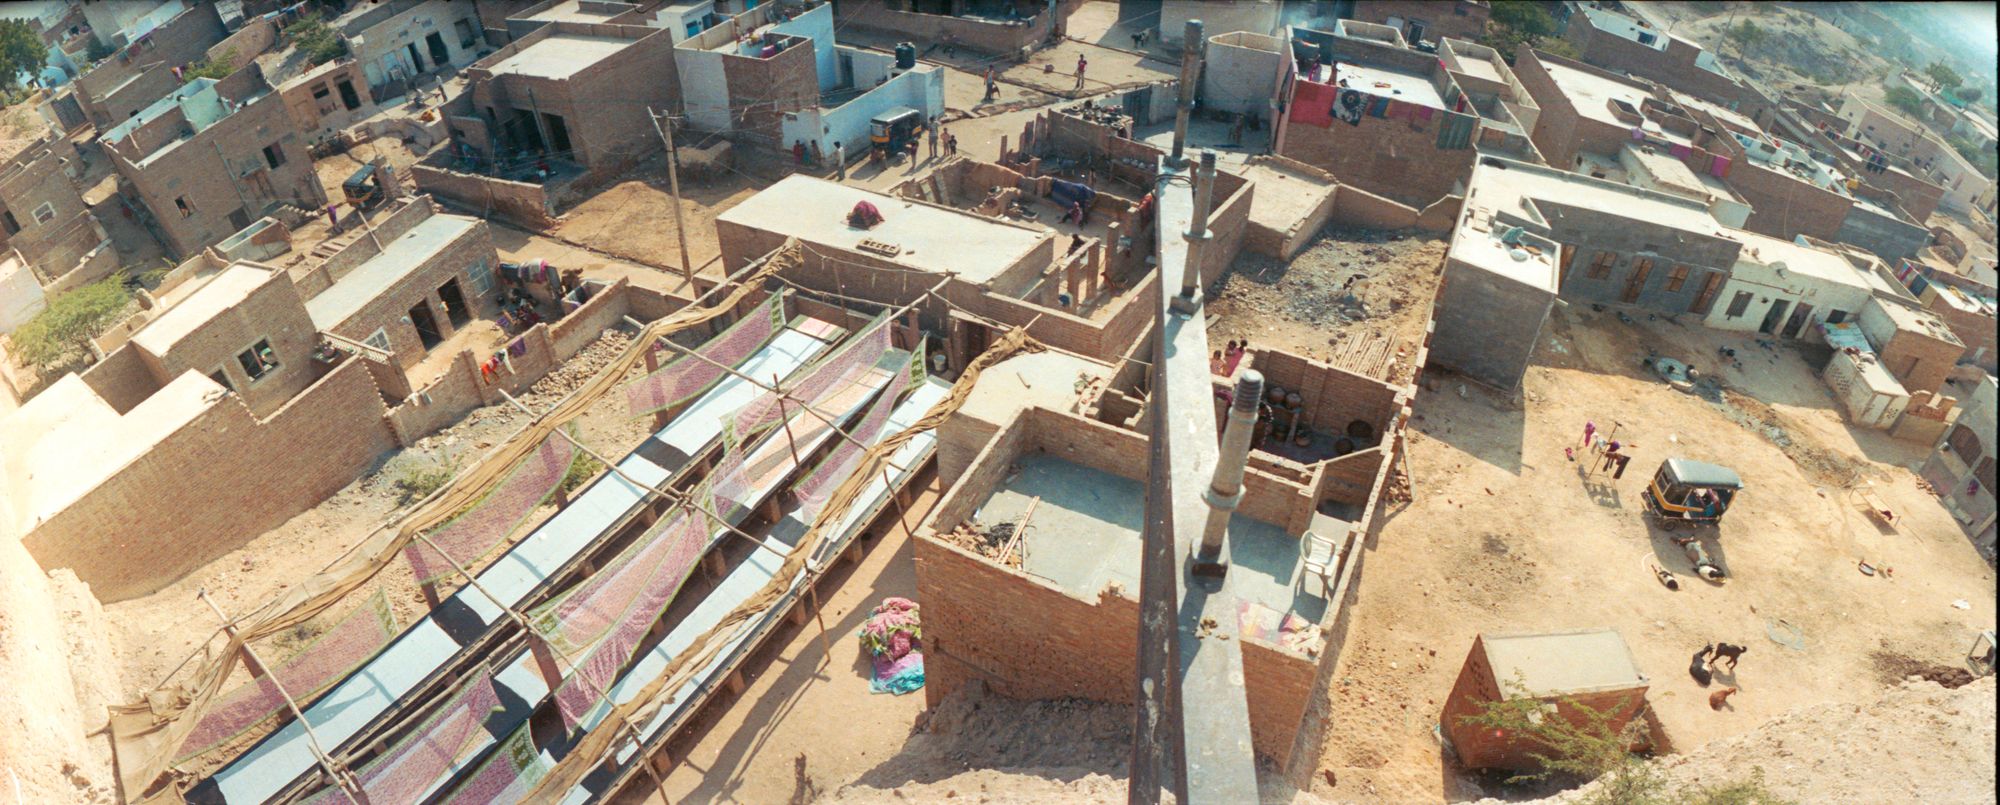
<point x="471" y="537"/>
<point x="597" y="745"/>
<point x="687" y="377"/>
<point x="324" y="661"/>
<point x="148" y="731"/>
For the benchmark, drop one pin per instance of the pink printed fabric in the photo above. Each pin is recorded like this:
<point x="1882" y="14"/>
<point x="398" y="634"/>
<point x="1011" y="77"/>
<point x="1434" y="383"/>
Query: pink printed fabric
<point x="588" y="683"/>
<point x="408" y="767"/>
<point x="327" y="659"/>
<point x="814" y="490"/>
<point x="470" y="536"/>
<point x="578" y="618"/>
<point x="507" y="775"/>
<point x="858" y="356"/>
<point x="687" y="376"/>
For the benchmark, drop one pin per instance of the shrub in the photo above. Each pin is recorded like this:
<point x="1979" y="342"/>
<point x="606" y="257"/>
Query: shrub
<point x="419" y="479"/>
<point x="317" y="42"/>
<point x="217" y="67"/>
<point x="584" y="468"/>
<point x="60" y="332"/>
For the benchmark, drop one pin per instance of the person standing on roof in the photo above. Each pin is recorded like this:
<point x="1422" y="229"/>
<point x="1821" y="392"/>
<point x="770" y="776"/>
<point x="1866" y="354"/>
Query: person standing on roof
<point x="1081" y="63"/>
<point x="933" y="131"/>
<point x="840" y="161"/>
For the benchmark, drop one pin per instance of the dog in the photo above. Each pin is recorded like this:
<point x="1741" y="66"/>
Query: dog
<point x="1698" y="667"/>
<point x="1726" y="651"/>
<point x="1717" y="699"/>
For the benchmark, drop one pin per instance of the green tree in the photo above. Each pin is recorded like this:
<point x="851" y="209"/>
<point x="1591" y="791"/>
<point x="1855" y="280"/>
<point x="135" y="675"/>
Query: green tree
<point x="21" y="52"/>
<point x="1969" y="94"/>
<point x="1745" y="35"/>
<point x="59" y="333"/>
<point x="317" y="42"/>
<point x="1514" y="23"/>
<point x="1904" y="98"/>
<point x="217" y="67"/>
<point x="1942" y="76"/>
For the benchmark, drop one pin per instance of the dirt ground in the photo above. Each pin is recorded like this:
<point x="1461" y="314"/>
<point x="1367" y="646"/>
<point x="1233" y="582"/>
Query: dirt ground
<point x="334" y="169"/>
<point x="153" y="634"/>
<point x="605" y="220"/>
<point x="1302" y="307"/>
<point x="1507" y="535"/>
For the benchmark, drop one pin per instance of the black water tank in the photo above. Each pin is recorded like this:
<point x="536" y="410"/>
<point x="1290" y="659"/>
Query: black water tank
<point x="906" y="55"/>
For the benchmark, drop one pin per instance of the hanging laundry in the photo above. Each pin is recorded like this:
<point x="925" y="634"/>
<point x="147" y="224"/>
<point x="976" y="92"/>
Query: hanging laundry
<point x="1456" y="132"/>
<point x="1679" y="151"/>
<point x="1350" y="106"/>
<point x="1312" y="104"/>
<point x="1424" y="113"/>
<point x="518" y="347"/>
<point x="1720" y="167"/>
<point x="1397" y="110"/>
<point x="1378" y="106"/>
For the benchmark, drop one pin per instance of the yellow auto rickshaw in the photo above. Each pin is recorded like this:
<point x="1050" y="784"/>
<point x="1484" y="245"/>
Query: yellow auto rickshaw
<point x="1686" y="492"/>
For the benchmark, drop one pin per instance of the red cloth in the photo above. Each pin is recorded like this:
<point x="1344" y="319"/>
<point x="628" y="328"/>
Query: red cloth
<point x="1312" y="104"/>
<point x="865" y="215"/>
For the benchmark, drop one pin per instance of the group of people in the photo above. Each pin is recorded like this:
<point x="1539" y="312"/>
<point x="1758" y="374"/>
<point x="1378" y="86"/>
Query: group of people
<point x="1223" y="361"/>
<point x="808" y="154"/>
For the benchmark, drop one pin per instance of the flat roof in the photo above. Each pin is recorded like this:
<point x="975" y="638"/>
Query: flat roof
<point x="1797" y="258"/>
<point x="222" y="292"/>
<point x="560" y="56"/>
<point x="934" y="239"/>
<point x="1515" y="186"/>
<point x="1480" y="68"/>
<point x="1563" y="662"/>
<point x="1592" y="95"/>
<point x="1723" y="112"/>
<point x="1045" y="379"/>
<point x="67" y="440"/>
<point x="369" y="280"/>
<point x="1402" y="86"/>
<point x="1482" y="248"/>
<point x="572" y="11"/>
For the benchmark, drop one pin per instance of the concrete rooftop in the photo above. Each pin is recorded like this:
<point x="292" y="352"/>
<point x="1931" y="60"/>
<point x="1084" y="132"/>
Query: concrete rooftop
<point x="1483" y="249"/>
<point x="1514" y="187"/>
<point x="1798" y="259"/>
<point x="1085" y="534"/>
<point x="1405" y="87"/>
<point x="559" y="56"/>
<point x="934" y="239"/>
<point x="67" y="440"/>
<point x="1039" y="379"/>
<point x="1592" y="95"/>
<point x="226" y="290"/>
<point x="1573" y="662"/>
<point x="370" y="279"/>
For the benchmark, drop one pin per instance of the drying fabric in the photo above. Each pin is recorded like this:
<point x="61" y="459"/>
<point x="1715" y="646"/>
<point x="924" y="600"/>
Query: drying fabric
<point x="1067" y="193"/>
<point x="1378" y="106"/>
<point x="1348" y="108"/>
<point x="324" y="661"/>
<point x="408" y="767"/>
<point x="689" y="377"/>
<point x="587" y="684"/>
<point x="509" y="772"/>
<point x="898" y="676"/>
<point x="1423" y="113"/>
<point x="854" y="359"/>
<point x="518" y="347"/>
<point x="1312" y="104"/>
<point x="892" y="636"/>
<point x="471" y="536"/>
<point x="1678" y="151"/>
<point x="813" y="489"/>
<point x="1456" y="132"/>
<point x="583" y="615"/>
<point x="1719" y="168"/>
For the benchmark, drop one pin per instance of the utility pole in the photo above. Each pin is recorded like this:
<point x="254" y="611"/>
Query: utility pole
<point x="674" y="183"/>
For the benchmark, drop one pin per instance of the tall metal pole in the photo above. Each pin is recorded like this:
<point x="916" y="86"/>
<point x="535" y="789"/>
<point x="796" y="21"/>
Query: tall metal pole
<point x="674" y="183"/>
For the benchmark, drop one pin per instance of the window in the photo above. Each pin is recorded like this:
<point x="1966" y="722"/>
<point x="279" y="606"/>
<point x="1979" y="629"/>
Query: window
<point x="482" y="277"/>
<point x="1740" y="304"/>
<point x="187" y="210"/>
<point x="274" y="155"/>
<point x="1677" y="278"/>
<point x="221" y="378"/>
<point x="1836" y="316"/>
<point x="45" y="213"/>
<point x="1600" y="266"/>
<point x="12" y="226"/>
<point x="378" y="339"/>
<point x="465" y="38"/>
<point x="1965" y="443"/>
<point x="258" y="360"/>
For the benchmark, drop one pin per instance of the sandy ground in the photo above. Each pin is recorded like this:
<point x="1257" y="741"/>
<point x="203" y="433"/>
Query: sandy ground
<point x="1301" y="307"/>
<point x="1506" y="535"/>
<point x="152" y="635"/>
<point x="1802" y="56"/>
<point x="1918" y="743"/>
<point x="604" y="221"/>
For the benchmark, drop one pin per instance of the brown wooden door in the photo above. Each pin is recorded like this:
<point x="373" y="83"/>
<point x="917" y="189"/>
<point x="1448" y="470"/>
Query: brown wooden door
<point x="1705" y="300"/>
<point x="1641" y="266"/>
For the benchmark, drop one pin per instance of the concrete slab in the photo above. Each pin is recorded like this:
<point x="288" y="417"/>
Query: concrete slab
<point x="1396" y="84"/>
<point x="228" y="289"/>
<point x="933" y="239"/>
<point x="1571" y="662"/>
<point x="560" y="56"/>
<point x="369" y="280"/>
<point x="1283" y="198"/>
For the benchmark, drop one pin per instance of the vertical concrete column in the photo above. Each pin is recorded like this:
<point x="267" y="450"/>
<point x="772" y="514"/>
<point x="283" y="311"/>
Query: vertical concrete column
<point x="1192" y="43"/>
<point x="1225" y="488"/>
<point x="439" y="314"/>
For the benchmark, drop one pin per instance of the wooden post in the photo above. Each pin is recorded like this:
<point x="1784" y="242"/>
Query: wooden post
<point x="341" y="777"/>
<point x="785" y="424"/>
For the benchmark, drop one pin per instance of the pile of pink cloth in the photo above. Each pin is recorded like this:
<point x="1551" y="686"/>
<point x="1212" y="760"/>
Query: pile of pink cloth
<point x="893" y="636"/>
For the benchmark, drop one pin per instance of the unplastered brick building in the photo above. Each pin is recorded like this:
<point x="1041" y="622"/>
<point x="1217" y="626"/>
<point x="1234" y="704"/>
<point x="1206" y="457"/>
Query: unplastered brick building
<point x="1635" y="44"/>
<point x="1427" y="20"/>
<point x="150" y="53"/>
<point x="211" y="157"/>
<point x="1028" y="568"/>
<point x="43" y="216"/>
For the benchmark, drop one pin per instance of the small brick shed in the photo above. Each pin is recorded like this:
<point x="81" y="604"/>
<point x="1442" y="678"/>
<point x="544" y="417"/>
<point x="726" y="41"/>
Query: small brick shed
<point x="1593" y="667"/>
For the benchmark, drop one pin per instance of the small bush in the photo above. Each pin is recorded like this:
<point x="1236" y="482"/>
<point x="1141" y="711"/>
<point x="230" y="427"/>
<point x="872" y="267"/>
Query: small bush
<point x="60" y="332"/>
<point x="418" y="480"/>
<point x="584" y="468"/>
<point x="317" y="42"/>
<point x="217" y="67"/>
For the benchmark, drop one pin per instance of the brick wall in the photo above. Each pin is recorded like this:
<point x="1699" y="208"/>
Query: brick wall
<point x="123" y="378"/>
<point x="765" y="89"/>
<point x="965" y="32"/>
<point x="1392" y="157"/>
<point x="1355" y="207"/>
<point x="520" y="203"/>
<point x="608" y="100"/>
<point x="215" y="484"/>
<point x="315" y="102"/>
<point x="1591" y="231"/>
<point x="1459" y="20"/>
<point x="1976" y="330"/>
<point x="37" y="175"/>
<point x="272" y="312"/>
<point x="1674" y="66"/>
<point x="1781" y="205"/>
<point x="420" y="286"/>
<point x="1487" y="325"/>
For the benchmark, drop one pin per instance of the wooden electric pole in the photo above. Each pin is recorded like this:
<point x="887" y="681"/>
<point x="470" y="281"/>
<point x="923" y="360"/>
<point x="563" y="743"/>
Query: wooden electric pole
<point x="666" y="133"/>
